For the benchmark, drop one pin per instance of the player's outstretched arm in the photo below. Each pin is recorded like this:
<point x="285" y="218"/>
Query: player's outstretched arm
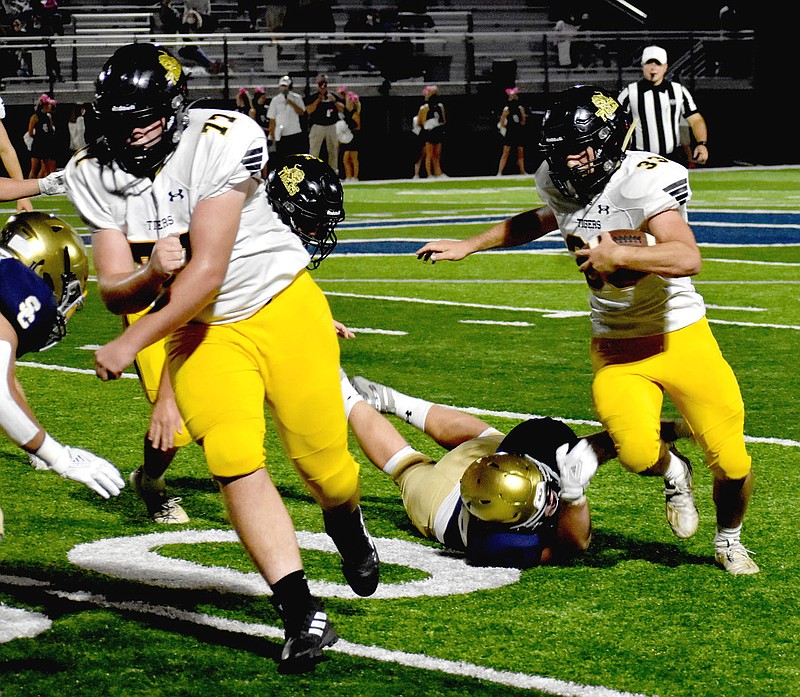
<point x="512" y="232"/>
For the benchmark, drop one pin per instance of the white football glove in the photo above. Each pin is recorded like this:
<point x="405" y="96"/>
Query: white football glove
<point x="95" y="472"/>
<point x="576" y="467"/>
<point x="52" y="184"/>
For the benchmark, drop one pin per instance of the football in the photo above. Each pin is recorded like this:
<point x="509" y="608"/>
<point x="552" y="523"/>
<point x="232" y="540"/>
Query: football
<point x="624" y="278"/>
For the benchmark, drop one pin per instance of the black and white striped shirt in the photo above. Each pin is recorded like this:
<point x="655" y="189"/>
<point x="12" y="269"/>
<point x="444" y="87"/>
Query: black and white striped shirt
<point x="657" y="111"/>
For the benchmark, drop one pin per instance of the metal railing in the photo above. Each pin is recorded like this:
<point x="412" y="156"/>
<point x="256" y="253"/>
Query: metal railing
<point x="382" y="63"/>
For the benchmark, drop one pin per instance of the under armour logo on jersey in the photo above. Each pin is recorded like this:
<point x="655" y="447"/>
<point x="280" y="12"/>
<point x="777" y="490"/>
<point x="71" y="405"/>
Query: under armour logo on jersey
<point x="27" y="311"/>
<point x="604" y="209"/>
<point x="173" y="195"/>
<point x="252" y="160"/>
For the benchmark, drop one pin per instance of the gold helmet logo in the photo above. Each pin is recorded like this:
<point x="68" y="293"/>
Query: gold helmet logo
<point x="171" y="66"/>
<point x="291" y="178"/>
<point x="606" y="106"/>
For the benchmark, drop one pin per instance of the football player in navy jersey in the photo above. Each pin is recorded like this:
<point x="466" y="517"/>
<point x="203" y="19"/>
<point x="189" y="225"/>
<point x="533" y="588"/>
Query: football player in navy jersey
<point x="650" y="332"/>
<point x="514" y="500"/>
<point x="43" y="273"/>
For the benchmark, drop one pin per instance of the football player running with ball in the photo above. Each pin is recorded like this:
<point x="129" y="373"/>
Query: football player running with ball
<point x="650" y="332"/>
<point x="243" y="319"/>
<point x="43" y="273"/>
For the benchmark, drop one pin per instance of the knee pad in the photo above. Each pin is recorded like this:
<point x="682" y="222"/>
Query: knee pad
<point x="234" y="449"/>
<point x="331" y="475"/>
<point x="726" y="453"/>
<point x="638" y="451"/>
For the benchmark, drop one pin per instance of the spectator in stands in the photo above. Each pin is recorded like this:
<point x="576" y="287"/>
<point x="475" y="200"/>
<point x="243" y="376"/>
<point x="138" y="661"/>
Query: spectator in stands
<point x="165" y="20"/>
<point x="259" y="110"/>
<point x="565" y="29"/>
<point x="193" y="23"/>
<point x="283" y="120"/>
<point x="244" y="105"/>
<point x="432" y="118"/>
<point x="512" y="128"/>
<point x="44" y="145"/>
<point x="23" y="58"/>
<point x="48" y="12"/>
<point x="208" y="22"/>
<point x="38" y="29"/>
<point x="77" y="128"/>
<point x="275" y="17"/>
<point x="8" y="156"/>
<point x="657" y="105"/>
<point x="323" y="108"/>
<point x="352" y="117"/>
<point x="249" y="8"/>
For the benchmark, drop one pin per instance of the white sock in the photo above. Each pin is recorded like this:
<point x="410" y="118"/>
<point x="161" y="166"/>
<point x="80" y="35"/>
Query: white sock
<point x="676" y="468"/>
<point x="349" y="394"/>
<point x="391" y="464"/>
<point x="726" y="536"/>
<point x="412" y="409"/>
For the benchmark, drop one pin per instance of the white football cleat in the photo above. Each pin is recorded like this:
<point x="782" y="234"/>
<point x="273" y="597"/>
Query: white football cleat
<point x="734" y="558"/>
<point x="682" y="514"/>
<point x="379" y="397"/>
<point x="153" y="492"/>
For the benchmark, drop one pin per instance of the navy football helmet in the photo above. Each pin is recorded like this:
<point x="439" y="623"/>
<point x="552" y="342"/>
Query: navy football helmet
<point x="584" y="117"/>
<point x="140" y="84"/>
<point x="307" y="195"/>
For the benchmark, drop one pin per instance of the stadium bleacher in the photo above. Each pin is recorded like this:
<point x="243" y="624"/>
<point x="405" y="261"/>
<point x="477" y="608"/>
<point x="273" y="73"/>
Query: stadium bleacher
<point x="455" y="43"/>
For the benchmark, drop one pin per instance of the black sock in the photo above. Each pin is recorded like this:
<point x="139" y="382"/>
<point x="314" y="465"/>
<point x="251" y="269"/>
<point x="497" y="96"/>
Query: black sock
<point x="291" y="597"/>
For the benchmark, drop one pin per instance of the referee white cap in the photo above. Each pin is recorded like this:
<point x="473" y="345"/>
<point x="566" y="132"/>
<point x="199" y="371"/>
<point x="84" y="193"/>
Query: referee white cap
<point x="654" y="53"/>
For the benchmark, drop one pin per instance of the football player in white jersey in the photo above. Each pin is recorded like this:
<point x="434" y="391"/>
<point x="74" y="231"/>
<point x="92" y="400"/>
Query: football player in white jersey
<point x="649" y="329"/>
<point x="243" y="319"/>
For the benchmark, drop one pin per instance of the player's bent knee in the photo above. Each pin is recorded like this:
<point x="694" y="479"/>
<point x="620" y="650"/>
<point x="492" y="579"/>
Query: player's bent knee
<point x="332" y="482"/>
<point x="638" y="455"/>
<point x="730" y="463"/>
<point x="233" y="450"/>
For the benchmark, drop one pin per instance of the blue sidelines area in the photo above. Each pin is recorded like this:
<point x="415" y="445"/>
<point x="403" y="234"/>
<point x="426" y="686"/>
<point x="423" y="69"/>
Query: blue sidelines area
<point x="710" y="227"/>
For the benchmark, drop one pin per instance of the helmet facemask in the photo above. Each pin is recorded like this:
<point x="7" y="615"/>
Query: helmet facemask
<point x="307" y="196"/>
<point x="51" y="248"/>
<point x="585" y="119"/>
<point x="140" y="85"/>
<point x="510" y="489"/>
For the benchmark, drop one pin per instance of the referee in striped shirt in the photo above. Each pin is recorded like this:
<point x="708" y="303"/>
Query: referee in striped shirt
<point x="657" y="105"/>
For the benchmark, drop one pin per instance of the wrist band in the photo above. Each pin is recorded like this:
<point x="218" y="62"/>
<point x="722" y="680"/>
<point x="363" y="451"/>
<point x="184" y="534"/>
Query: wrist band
<point x="702" y="142"/>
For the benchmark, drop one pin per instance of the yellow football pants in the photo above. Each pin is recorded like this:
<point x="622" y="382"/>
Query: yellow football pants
<point x="149" y="364"/>
<point x="691" y="369"/>
<point x="286" y="354"/>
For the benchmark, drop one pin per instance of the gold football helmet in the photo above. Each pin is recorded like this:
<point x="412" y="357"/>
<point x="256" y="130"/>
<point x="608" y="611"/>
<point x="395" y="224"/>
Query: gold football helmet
<point x="50" y="247"/>
<point x="512" y="489"/>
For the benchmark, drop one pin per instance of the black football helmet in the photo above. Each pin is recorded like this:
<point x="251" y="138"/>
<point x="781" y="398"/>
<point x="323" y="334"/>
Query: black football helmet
<point x="512" y="489"/>
<point x="50" y="247"/>
<point x="307" y="195"/>
<point x="584" y="117"/>
<point x="140" y="84"/>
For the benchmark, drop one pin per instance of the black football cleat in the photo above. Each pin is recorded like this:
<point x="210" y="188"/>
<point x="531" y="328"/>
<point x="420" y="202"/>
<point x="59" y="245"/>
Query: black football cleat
<point x="306" y="636"/>
<point x="360" y="563"/>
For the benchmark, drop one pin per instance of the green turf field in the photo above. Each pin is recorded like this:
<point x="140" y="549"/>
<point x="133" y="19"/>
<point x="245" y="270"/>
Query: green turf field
<point x="503" y="334"/>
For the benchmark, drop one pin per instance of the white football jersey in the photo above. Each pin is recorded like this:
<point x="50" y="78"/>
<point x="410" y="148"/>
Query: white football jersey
<point x="217" y="150"/>
<point x="643" y="186"/>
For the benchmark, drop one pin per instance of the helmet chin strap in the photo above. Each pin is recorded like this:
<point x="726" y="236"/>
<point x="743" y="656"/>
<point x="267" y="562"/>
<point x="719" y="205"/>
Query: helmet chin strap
<point x="629" y="135"/>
